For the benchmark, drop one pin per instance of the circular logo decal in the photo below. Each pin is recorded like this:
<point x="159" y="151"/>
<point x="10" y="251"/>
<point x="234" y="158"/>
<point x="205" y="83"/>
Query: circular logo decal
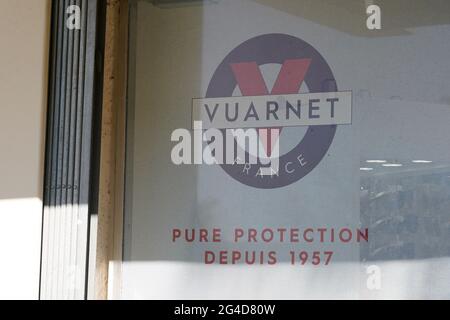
<point x="300" y="63"/>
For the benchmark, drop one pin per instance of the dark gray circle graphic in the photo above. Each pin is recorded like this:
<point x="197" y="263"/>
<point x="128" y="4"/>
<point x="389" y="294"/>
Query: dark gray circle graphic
<point x="276" y="48"/>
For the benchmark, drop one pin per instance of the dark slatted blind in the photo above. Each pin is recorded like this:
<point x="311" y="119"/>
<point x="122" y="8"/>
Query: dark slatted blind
<point x="71" y="148"/>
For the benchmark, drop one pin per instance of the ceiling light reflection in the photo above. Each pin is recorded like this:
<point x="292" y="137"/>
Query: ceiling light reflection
<point x="392" y="165"/>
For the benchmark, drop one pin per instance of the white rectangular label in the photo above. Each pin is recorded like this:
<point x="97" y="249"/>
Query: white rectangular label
<point x="303" y="109"/>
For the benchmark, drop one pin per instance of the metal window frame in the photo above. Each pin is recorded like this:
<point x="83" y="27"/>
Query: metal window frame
<point x="72" y="148"/>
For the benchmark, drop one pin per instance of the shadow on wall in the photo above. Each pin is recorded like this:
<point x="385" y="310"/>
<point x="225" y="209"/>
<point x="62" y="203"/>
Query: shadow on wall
<point x="397" y="15"/>
<point x="176" y="62"/>
<point x="23" y="94"/>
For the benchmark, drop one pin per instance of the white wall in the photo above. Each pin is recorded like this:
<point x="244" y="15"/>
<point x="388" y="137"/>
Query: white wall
<point x="24" y="35"/>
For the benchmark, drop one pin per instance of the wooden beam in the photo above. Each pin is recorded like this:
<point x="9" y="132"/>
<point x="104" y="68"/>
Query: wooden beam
<point x="112" y="159"/>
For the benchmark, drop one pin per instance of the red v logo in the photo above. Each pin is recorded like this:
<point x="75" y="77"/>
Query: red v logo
<point x="289" y="80"/>
<point x="251" y="83"/>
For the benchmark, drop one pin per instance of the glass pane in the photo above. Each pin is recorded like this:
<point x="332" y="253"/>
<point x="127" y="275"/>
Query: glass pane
<point x="348" y="194"/>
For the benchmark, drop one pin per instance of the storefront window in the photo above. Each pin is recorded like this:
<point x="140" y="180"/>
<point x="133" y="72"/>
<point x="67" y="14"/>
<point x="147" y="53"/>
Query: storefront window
<point x="349" y="194"/>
